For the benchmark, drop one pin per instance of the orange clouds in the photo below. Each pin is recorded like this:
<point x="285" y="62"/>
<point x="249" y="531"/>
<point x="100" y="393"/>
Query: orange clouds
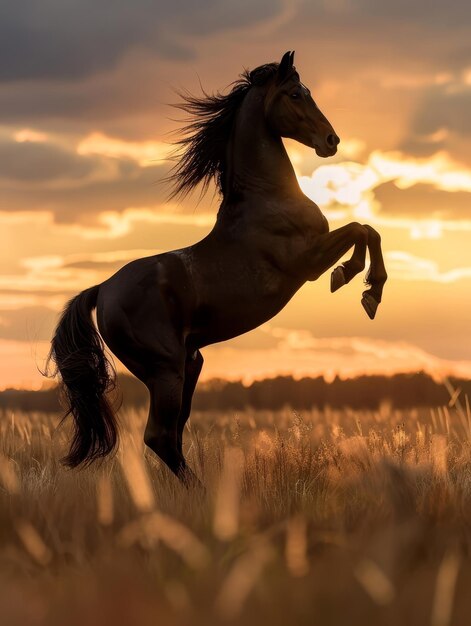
<point x="352" y="184"/>
<point x="409" y="267"/>
<point x="145" y="153"/>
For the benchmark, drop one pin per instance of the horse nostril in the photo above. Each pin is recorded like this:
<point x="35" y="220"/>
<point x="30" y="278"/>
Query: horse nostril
<point x="332" y="140"/>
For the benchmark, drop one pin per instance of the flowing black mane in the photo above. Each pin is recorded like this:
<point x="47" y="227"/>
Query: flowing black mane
<point x="202" y="151"/>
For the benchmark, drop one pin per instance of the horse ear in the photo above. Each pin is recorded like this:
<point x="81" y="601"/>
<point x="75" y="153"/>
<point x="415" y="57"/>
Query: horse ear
<point x="286" y="64"/>
<point x="292" y="59"/>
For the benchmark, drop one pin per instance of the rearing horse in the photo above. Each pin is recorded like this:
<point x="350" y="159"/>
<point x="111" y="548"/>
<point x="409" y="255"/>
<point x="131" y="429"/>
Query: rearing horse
<point x="156" y="313"/>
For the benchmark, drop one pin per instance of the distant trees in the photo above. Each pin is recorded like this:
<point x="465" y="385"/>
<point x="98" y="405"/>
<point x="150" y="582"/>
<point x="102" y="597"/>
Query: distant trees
<point x="363" y="392"/>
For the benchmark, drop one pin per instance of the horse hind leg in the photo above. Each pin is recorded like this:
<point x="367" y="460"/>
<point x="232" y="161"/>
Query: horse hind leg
<point x="148" y="341"/>
<point x="162" y="429"/>
<point x="193" y="366"/>
<point x="165" y="384"/>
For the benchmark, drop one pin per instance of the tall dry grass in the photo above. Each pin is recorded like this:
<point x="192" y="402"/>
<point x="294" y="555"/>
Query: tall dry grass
<point x="320" y="518"/>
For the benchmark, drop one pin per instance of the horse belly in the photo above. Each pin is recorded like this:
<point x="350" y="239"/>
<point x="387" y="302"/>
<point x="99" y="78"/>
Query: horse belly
<point x="236" y="313"/>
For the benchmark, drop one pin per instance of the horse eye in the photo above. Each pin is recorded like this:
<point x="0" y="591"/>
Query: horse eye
<point x="295" y="95"/>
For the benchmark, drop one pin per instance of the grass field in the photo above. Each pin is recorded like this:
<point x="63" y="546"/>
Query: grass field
<point x="324" y="518"/>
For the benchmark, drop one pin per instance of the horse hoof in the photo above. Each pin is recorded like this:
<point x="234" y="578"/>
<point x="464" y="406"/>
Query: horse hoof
<point x="370" y="305"/>
<point x="191" y="481"/>
<point x="337" y="279"/>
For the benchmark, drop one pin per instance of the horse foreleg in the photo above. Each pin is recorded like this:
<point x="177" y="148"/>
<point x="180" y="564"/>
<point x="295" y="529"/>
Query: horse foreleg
<point x="330" y="247"/>
<point x="376" y="276"/>
<point x="344" y="273"/>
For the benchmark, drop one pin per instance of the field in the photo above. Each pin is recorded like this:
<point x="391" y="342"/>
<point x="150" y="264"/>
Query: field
<point x="325" y="518"/>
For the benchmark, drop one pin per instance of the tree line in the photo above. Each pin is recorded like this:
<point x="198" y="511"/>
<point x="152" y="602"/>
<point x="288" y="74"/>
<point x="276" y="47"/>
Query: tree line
<point x="364" y="392"/>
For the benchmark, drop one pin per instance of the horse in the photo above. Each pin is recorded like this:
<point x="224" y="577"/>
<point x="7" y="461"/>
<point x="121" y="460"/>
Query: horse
<point x="156" y="313"/>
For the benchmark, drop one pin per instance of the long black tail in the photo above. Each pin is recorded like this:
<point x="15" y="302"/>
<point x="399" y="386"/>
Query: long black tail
<point x="78" y="352"/>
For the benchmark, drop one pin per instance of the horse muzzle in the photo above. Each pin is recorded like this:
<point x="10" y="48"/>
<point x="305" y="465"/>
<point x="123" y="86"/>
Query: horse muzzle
<point x="326" y="146"/>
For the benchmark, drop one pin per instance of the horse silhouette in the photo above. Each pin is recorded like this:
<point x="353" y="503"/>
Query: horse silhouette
<point x="156" y="313"/>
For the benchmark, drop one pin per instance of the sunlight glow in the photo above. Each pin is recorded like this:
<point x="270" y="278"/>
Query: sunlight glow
<point x="343" y="183"/>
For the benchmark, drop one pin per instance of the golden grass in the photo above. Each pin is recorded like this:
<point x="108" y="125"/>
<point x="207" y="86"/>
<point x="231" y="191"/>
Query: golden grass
<point x="325" y="518"/>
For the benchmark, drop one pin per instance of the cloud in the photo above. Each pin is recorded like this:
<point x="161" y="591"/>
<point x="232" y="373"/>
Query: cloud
<point x="111" y="224"/>
<point x="48" y="274"/>
<point x="435" y="15"/>
<point x="102" y="186"/>
<point x="56" y="274"/>
<point x="93" y="260"/>
<point x="71" y="40"/>
<point x="441" y="120"/>
<point x="105" y="185"/>
<point x="66" y="41"/>
<point x="29" y="134"/>
<point x="140" y="231"/>
<point x="39" y="161"/>
<point x="145" y="153"/>
<point x="47" y="281"/>
<point x="84" y="102"/>
<point x="14" y="300"/>
<point x="113" y="185"/>
<point x="438" y="170"/>
<point x="405" y="266"/>
<point x="300" y="353"/>
<point x="396" y="33"/>
<point x="91" y="180"/>
<point x="114" y="224"/>
<point x="423" y="201"/>
<point x="355" y="190"/>
<point x="118" y="77"/>
<point x="28" y="323"/>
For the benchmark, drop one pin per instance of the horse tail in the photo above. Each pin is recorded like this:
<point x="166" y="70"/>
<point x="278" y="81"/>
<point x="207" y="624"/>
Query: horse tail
<point x="86" y="375"/>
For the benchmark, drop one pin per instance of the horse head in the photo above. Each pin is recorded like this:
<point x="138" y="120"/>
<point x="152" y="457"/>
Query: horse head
<point x="291" y="111"/>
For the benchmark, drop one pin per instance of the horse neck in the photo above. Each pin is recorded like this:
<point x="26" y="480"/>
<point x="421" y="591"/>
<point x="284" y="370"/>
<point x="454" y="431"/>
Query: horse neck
<point x="257" y="162"/>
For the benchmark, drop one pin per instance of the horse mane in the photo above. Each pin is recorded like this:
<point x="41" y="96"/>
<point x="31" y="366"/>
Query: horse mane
<point x="201" y="153"/>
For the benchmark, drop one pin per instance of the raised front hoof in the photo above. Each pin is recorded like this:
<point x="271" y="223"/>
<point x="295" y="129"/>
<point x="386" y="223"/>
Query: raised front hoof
<point x="370" y="304"/>
<point x="337" y="279"/>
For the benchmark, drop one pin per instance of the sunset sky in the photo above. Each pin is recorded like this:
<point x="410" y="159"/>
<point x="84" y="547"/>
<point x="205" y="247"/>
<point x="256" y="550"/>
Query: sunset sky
<point x="85" y="128"/>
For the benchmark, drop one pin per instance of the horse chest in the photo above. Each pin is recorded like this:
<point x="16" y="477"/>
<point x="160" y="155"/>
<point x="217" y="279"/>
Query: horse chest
<point x="287" y="239"/>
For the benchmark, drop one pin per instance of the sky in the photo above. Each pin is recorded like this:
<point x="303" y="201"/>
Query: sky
<point x="85" y="137"/>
